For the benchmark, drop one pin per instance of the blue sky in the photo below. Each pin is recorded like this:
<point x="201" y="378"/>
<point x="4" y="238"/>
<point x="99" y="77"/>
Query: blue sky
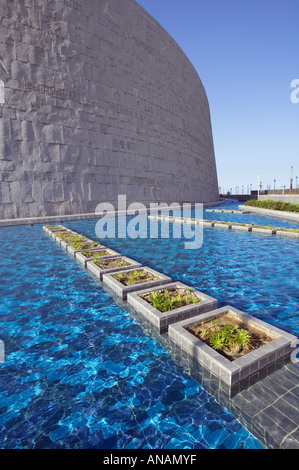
<point x="246" y="54"/>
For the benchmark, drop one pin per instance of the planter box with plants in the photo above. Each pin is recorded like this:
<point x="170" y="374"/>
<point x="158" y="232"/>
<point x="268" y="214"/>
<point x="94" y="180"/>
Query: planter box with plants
<point x="134" y="280"/>
<point x="207" y="223"/>
<point x="232" y="344"/>
<point x="266" y="231"/>
<point x="241" y="228"/>
<point x="53" y="233"/>
<point x="222" y="225"/>
<point x="49" y="229"/>
<point x="80" y="243"/>
<point x="170" y="303"/>
<point x="87" y="255"/>
<point x="64" y="239"/>
<point x="111" y="264"/>
<point x="62" y="235"/>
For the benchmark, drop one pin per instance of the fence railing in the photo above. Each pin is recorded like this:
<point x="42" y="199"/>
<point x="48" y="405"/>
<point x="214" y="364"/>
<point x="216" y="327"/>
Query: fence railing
<point x="279" y="191"/>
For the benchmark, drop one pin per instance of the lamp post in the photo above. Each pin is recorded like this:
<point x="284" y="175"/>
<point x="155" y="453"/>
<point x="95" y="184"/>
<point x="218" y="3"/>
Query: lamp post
<point x="274" y="184"/>
<point x="258" y="186"/>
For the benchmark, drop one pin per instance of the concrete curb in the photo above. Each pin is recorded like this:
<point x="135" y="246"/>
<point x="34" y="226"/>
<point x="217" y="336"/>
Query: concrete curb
<point x="271" y="213"/>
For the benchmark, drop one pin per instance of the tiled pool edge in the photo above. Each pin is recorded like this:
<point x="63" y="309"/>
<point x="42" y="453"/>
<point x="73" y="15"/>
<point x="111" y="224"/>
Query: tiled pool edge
<point x="257" y="419"/>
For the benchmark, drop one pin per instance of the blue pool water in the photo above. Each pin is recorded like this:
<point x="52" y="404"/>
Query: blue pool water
<point x="81" y="372"/>
<point x="248" y="218"/>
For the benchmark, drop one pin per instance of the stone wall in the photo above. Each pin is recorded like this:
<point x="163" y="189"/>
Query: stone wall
<point x="292" y="198"/>
<point x="97" y="100"/>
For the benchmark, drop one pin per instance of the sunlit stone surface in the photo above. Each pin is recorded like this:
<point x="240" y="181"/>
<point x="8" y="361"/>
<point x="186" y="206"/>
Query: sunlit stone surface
<point x="97" y="100"/>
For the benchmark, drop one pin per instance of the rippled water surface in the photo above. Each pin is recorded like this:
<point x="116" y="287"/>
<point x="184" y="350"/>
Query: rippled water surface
<point x="81" y="372"/>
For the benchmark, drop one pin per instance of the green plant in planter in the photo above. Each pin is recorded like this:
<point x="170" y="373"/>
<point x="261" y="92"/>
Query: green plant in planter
<point x="164" y="301"/>
<point x="134" y="276"/>
<point x="97" y="254"/>
<point x="62" y="234"/>
<point x="52" y="227"/>
<point x="78" y="243"/>
<point x="205" y="333"/>
<point x="242" y="338"/>
<point x="217" y="341"/>
<point x="230" y="337"/>
<point x="189" y="298"/>
<point x="69" y="237"/>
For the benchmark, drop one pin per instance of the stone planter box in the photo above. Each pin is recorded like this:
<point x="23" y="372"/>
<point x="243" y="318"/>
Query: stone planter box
<point x="263" y="230"/>
<point x="58" y="239"/>
<point x="84" y="260"/>
<point x="55" y="228"/>
<point x="47" y="231"/>
<point x="216" y="225"/>
<point x="162" y="319"/>
<point x="232" y="372"/>
<point x="65" y="244"/>
<point x="54" y="232"/>
<point x="123" y="290"/>
<point x="282" y="233"/>
<point x="99" y="272"/>
<point x="74" y="251"/>
<point x="241" y="228"/>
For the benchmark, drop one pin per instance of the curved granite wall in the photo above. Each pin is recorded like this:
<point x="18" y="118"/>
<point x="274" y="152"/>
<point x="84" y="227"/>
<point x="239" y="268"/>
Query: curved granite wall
<point x="98" y="100"/>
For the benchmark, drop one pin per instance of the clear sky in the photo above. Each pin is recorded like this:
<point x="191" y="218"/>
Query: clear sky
<point x="246" y="53"/>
